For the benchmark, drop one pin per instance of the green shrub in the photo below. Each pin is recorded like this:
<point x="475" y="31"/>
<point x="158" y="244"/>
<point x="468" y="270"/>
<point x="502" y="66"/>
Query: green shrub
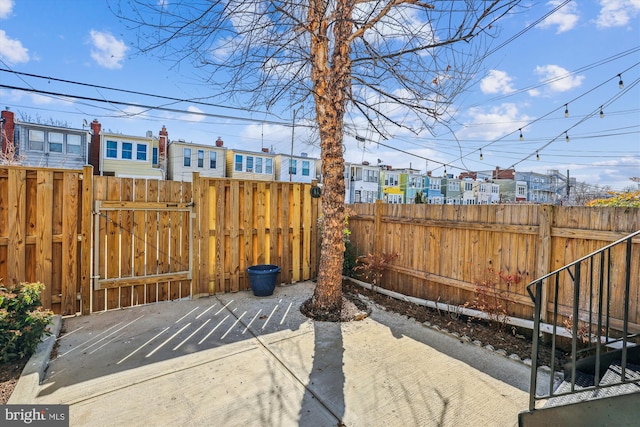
<point x="350" y="259"/>
<point x="22" y="320"/>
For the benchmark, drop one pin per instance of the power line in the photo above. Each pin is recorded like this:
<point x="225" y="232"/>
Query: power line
<point x="152" y="107"/>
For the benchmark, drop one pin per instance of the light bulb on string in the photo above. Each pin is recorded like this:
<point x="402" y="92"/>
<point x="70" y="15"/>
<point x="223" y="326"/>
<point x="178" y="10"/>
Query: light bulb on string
<point x="537" y="156"/>
<point x="481" y="156"/>
<point x="601" y="113"/>
<point x="566" y="110"/>
<point x="521" y="137"/>
<point x="566" y="136"/>
<point x="620" y="83"/>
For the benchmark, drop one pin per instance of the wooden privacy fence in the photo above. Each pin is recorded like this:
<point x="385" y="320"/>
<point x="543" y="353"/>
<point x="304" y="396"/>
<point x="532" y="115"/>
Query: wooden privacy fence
<point x="45" y="218"/>
<point x="446" y="251"/>
<point x="243" y="223"/>
<point x="99" y="243"/>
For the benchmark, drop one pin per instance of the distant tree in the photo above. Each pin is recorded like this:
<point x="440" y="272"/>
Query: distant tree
<point x="37" y="119"/>
<point x="393" y="63"/>
<point x="420" y="198"/>
<point x="629" y="199"/>
<point x="9" y="155"/>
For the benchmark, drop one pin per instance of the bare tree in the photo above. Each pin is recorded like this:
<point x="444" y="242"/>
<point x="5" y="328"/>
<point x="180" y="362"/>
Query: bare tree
<point x="388" y="64"/>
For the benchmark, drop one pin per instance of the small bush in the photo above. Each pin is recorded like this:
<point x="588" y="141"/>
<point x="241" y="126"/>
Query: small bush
<point x="490" y="292"/>
<point x="22" y="320"/>
<point x="372" y="266"/>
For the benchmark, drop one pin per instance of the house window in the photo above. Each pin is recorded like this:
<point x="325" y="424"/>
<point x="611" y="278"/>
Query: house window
<point x="258" y="164"/>
<point x="73" y="144"/>
<point x="186" y="154"/>
<point x="238" y="165"/>
<point x="154" y="155"/>
<point x="293" y="167"/>
<point x="358" y="197"/>
<point x="468" y="186"/>
<point x="36" y="140"/>
<point x="112" y="149"/>
<point x="127" y="150"/>
<point x="249" y="163"/>
<point x="212" y="159"/>
<point x="55" y="142"/>
<point x="305" y="168"/>
<point x="200" y="158"/>
<point x="268" y="166"/>
<point x="141" y="152"/>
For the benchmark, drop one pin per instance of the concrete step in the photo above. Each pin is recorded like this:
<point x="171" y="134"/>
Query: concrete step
<point x="584" y="388"/>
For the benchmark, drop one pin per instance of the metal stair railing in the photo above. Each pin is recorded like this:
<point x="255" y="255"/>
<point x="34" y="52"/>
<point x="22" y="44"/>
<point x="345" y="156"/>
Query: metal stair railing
<point x="595" y="321"/>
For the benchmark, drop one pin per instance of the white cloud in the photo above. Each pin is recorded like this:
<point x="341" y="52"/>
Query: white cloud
<point x="493" y="123"/>
<point x="6" y="7"/>
<point x="556" y="78"/>
<point x="11" y="50"/>
<point x="193" y="117"/>
<point x="107" y="51"/>
<point x="496" y="82"/>
<point x="617" y="13"/>
<point x="564" y="18"/>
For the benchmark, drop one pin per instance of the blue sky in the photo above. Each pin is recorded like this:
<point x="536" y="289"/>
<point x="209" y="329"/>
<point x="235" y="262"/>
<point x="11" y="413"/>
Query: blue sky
<point x="571" y="60"/>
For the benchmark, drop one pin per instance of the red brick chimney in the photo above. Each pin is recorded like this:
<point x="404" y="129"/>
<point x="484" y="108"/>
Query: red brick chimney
<point x="8" y="129"/>
<point x="162" y="143"/>
<point x="94" y="149"/>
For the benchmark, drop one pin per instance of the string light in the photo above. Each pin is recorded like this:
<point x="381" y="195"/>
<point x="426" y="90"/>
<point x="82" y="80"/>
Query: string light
<point x="566" y="136"/>
<point x="601" y="113"/>
<point x="537" y="156"/>
<point x="620" y="83"/>
<point x="566" y="110"/>
<point x="481" y="156"/>
<point x="521" y="137"/>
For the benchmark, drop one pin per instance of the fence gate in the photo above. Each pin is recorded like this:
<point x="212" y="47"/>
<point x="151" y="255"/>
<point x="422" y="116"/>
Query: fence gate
<point x="142" y="253"/>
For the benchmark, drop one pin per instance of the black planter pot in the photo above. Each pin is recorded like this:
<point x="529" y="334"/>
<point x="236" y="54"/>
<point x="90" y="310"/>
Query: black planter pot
<point x="262" y="279"/>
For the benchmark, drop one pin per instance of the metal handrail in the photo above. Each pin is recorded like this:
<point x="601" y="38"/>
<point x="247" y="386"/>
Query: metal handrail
<point x="599" y="328"/>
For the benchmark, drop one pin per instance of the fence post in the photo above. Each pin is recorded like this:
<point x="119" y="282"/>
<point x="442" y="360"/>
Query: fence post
<point x="86" y="245"/>
<point x="377" y="227"/>
<point x="196" y="241"/>
<point x="543" y="252"/>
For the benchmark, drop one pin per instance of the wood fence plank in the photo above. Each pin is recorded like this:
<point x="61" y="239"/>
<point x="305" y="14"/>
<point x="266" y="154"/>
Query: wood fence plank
<point x="164" y="194"/>
<point x="247" y="233"/>
<point x="99" y="194"/>
<point x="274" y="225"/>
<point x="139" y="234"/>
<point x="234" y="238"/>
<point x="307" y="225"/>
<point x="16" y="249"/>
<point x="175" y="244"/>
<point x="295" y="234"/>
<point x="185" y="240"/>
<point x="86" y="246"/>
<point x="285" y="225"/>
<point x="113" y="243"/>
<point x="126" y="241"/>
<point x="219" y="240"/>
<point x="70" y="243"/>
<point x="44" y="230"/>
<point x="4" y="229"/>
<point x="152" y="249"/>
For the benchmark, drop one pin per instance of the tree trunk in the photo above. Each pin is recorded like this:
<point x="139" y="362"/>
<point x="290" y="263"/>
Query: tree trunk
<point x="331" y="85"/>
